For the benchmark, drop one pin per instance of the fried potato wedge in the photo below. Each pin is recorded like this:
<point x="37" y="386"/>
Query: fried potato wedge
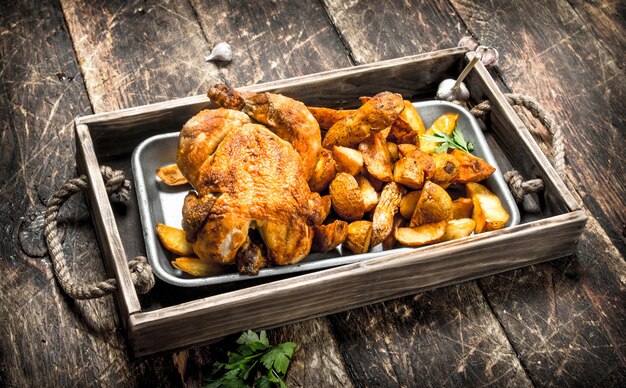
<point x="376" y="114"/>
<point x="369" y="194"/>
<point x="393" y="151"/>
<point x="390" y="241"/>
<point x="446" y="169"/>
<point x="196" y="267"/>
<point x="471" y="168"/>
<point x="174" y="240"/>
<point x="347" y="160"/>
<point x="388" y="204"/>
<point x="171" y="175"/>
<point x="446" y="124"/>
<point x="346" y="197"/>
<point x="426" y="161"/>
<point x="328" y="237"/>
<point x="409" y="202"/>
<point x="324" y="172"/>
<point x="458" y="228"/>
<point x="488" y="212"/>
<point x="434" y="205"/>
<point x="319" y="207"/>
<point x="409" y="172"/>
<point x="327" y="117"/>
<point x="462" y="208"/>
<point x="359" y="236"/>
<point x="409" y="126"/>
<point x="376" y="157"/>
<point x="422" y="234"/>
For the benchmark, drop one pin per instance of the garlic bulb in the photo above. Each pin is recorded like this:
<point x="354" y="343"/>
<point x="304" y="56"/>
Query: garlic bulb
<point x="221" y="52"/>
<point x="447" y="93"/>
<point x="488" y="56"/>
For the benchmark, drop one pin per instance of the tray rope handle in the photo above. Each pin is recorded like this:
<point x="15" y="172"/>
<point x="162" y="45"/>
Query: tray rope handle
<point x="141" y="271"/>
<point x="518" y="186"/>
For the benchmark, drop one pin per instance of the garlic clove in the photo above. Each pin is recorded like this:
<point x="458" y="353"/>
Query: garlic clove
<point x="221" y="52"/>
<point x="446" y="92"/>
<point x="469" y="42"/>
<point x="489" y="56"/>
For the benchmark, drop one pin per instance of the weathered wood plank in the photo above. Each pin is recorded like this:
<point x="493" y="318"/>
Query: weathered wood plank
<point x="401" y="29"/>
<point x="167" y="41"/>
<point x="136" y="52"/>
<point x="272" y="40"/>
<point x="555" y="58"/>
<point x="569" y="329"/>
<point x="607" y="21"/>
<point x="43" y="338"/>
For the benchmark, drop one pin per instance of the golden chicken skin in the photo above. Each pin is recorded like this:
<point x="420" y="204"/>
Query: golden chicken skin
<point x="253" y="180"/>
<point x="286" y="117"/>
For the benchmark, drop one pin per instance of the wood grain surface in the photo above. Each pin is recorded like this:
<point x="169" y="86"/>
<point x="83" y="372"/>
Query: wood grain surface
<point x="560" y="323"/>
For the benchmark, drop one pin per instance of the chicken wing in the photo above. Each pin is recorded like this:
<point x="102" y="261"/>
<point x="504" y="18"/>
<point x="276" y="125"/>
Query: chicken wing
<point x="287" y="118"/>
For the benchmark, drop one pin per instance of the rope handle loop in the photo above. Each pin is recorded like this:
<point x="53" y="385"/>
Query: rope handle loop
<point x="141" y="271"/>
<point x="520" y="187"/>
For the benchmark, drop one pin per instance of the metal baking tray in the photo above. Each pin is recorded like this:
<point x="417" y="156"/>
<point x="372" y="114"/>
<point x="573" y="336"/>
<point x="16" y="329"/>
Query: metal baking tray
<point x="159" y="203"/>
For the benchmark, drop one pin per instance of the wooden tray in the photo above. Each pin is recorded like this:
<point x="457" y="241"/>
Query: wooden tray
<point x="175" y="318"/>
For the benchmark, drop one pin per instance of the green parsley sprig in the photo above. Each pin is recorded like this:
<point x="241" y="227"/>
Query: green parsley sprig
<point x="446" y="141"/>
<point x="255" y="361"/>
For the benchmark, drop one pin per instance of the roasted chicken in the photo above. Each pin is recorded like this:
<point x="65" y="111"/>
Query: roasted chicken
<point x="286" y="117"/>
<point x="250" y="178"/>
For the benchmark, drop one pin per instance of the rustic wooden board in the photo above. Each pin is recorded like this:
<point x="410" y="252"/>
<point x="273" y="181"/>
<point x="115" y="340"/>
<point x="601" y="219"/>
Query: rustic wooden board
<point x="143" y="87"/>
<point x="289" y="48"/>
<point x="607" y="21"/>
<point x="46" y="338"/>
<point x="573" y="302"/>
<point x="556" y="44"/>
<point x="42" y="328"/>
<point x="417" y="27"/>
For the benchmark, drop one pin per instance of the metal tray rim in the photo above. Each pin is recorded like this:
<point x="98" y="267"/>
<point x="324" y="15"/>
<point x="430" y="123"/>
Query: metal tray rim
<point x="151" y="241"/>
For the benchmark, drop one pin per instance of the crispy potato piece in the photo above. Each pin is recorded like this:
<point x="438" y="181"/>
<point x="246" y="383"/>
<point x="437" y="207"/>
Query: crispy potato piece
<point x="471" y="168"/>
<point x="369" y="194"/>
<point x="446" y="169"/>
<point x="377" y="184"/>
<point x="196" y="267"/>
<point x="408" y="204"/>
<point x="462" y="208"/>
<point x="327" y="117"/>
<point x="446" y="124"/>
<point x="319" y="208"/>
<point x="376" y="157"/>
<point x="393" y="151"/>
<point x="434" y="205"/>
<point x="461" y="227"/>
<point x="171" y="175"/>
<point x="425" y="160"/>
<point x="409" y="126"/>
<point x="324" y="172"/>
<point x="390" y="241"/>
<point x="388" y="204"/>
<point x="359" y="236"/>
<point x="488" y="211"/>
<point x="422" y="234"/>
<point x="375" y="115"/>
<point x="346" y="197"/>
<point x="174" y="240"/>
<point x="347" y="160"/>
<point x="408" y="172"/>
<point x="330" y="236"/>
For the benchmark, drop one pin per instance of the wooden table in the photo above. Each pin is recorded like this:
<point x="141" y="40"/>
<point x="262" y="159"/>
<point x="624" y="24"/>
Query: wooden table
<point x="560" y="323"/>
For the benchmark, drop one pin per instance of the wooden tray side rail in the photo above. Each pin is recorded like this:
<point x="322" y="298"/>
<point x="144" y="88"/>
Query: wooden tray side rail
<point x="343" y="288"/>
<point x="109" y="239"/>
<point x="302" y="297"/>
